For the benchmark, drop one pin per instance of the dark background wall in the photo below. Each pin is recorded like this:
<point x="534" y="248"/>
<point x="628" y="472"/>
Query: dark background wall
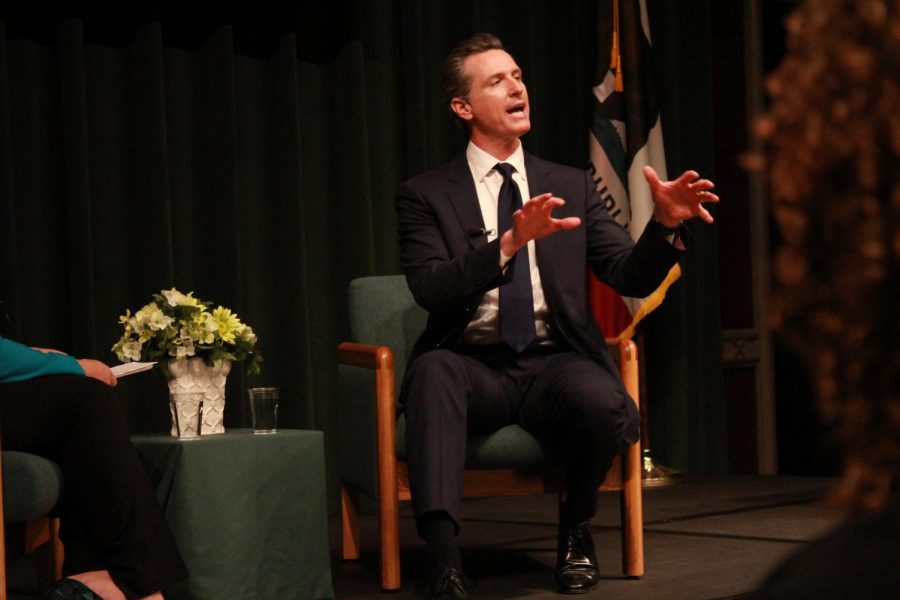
<point x="252" y="158"/>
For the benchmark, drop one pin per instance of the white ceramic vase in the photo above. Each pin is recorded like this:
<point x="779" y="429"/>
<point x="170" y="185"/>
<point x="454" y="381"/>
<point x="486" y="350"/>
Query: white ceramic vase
<point x="192" y="375"/>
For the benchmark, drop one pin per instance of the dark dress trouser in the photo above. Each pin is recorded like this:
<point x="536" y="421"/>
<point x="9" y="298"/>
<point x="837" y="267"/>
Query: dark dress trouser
<point x="110" y="517"/>
<point x="563" y="398"/>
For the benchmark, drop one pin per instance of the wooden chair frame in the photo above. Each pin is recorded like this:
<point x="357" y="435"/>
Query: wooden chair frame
<point x="393" y="484"/>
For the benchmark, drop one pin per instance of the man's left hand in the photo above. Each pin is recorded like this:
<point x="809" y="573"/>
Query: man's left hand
<point x="681" y="199"/>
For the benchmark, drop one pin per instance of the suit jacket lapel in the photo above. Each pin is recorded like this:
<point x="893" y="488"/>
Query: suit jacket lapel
<point x="464" y="199"/>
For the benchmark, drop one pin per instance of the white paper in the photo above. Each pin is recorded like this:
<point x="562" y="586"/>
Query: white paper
<point x="131" y="368"/>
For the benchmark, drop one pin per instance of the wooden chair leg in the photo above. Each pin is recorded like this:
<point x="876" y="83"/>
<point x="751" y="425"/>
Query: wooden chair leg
<point x="2" y="547"/>
<point x="632" y="514"/>
<point x="388" y="503"/>
<point x="42" y="540"/>
<point x="349" y="526"/>
<point x="2" y="539"/>
<point x="2" y="552"/>
<point x="389" y="531"/>
<point x="389" y="526"/>
<point x="48" y="557"/>
<point x="58" y="553"/>
<point x="632" y="506"/>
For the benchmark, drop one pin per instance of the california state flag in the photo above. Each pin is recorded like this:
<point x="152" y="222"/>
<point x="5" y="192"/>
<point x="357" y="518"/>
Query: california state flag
<point x="626" y="135"/>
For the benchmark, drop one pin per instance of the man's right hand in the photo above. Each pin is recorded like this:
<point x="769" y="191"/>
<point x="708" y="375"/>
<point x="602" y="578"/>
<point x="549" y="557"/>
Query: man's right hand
<point x="534" y="221"/>
<point x="98" y="370"/>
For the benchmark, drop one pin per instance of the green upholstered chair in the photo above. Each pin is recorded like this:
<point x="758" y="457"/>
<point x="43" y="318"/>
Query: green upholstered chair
<point x="384" y="324"/>
<point x="30" y="488"/>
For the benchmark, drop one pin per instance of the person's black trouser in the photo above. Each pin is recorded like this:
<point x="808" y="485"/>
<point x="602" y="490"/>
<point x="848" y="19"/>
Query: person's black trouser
<point x="110" y="518"/>
<point x="563" y="398"/>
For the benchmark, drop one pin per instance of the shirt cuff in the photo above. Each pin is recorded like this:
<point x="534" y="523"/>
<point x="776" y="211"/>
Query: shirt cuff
<point x="676" y="236"/>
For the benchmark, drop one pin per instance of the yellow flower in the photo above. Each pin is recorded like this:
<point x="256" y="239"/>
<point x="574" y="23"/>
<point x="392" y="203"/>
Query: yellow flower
<point x="125" y="319"/>
<point x="227" y="324"/>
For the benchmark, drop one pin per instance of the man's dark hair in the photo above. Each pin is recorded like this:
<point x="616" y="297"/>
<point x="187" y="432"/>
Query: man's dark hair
<point x="454" y="82"/>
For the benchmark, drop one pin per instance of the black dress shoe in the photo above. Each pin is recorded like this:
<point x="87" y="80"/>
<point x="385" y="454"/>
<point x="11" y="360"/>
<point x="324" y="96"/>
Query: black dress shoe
<point x="576" y="560"/>
<point x="449" y="583"/>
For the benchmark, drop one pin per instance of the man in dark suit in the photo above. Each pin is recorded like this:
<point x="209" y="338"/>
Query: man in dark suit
<point x="510" y="337"/>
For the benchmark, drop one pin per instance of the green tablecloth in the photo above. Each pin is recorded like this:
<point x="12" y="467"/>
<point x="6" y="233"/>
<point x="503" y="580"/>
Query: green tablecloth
<point x="247" y="511"/>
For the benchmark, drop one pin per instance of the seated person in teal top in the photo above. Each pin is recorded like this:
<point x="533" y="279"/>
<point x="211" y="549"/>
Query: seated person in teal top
<point x="116" y="541"/>
<point x="19" y="362"/>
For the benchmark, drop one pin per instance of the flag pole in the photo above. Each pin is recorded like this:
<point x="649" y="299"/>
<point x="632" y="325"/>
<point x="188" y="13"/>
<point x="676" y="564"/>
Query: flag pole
<point x="615" y="62"/>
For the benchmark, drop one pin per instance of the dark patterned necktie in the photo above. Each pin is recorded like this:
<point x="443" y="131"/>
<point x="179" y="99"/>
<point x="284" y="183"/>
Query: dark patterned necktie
<point x="516" y="298"/>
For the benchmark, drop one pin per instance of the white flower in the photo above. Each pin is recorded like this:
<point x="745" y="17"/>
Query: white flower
<point x="131" y="351"/>
<point x="209" y="323"/>
<point x="201" y="328"/>
<point x="159" y="321"/>
<point x="117" y="348"/>
<point x="245" y="334"/>
<point x="182" y="348"/>
<point x="173" y="297"/>
<point x="149" y="318"/>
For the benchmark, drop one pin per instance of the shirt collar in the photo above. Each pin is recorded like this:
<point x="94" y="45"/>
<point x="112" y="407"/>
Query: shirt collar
<point x="483" y="163"/>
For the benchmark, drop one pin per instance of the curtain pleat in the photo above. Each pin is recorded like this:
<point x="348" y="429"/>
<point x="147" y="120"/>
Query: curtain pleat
<point x="78" y="216"/>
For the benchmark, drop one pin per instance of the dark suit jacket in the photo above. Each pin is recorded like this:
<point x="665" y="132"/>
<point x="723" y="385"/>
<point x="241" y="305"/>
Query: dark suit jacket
<point x="449" y="266"/>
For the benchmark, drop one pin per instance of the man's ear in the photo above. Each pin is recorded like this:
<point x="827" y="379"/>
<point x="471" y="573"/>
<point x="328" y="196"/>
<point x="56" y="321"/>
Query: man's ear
<point x="461" y="109"/>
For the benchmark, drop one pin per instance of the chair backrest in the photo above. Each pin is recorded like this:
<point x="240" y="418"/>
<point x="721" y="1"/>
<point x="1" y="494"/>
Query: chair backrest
<point x="383" y="313"/>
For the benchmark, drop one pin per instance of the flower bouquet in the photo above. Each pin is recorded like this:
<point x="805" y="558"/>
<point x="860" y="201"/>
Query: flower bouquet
<point x="177" y="325"/>
<point x="194" y="345"/>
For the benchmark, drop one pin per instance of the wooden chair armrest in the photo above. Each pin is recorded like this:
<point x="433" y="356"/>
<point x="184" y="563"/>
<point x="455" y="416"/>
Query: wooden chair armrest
<point x="365" y="355"/>
<point x="381" y="360"/>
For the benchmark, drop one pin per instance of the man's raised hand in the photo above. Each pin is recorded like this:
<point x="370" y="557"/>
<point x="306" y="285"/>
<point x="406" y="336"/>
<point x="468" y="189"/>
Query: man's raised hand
<point x="534" y="221"/>
<point x="681" y="199"/>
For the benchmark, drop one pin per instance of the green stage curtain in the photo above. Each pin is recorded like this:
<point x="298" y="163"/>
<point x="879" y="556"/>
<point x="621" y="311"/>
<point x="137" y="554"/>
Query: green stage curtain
<point x="253" y="161"/>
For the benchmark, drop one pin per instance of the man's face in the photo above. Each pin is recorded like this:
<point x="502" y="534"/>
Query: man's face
<point x="497" y="106"/>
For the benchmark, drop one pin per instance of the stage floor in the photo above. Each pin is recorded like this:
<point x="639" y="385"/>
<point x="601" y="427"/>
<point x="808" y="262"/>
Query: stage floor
<point x="710" y="537"/>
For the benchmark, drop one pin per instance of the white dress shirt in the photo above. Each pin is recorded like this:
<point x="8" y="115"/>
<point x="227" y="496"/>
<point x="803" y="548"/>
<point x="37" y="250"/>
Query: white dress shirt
<point x="484" y="326"/>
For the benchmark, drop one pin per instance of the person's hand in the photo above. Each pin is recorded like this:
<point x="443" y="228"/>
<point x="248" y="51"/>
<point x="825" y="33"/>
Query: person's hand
<point x="534" y="221"/>
<point x="98" y="370"/>
<point x="681" y="199"/>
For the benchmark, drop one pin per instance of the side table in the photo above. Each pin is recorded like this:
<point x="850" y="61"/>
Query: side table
<point x="248" y="512"/>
